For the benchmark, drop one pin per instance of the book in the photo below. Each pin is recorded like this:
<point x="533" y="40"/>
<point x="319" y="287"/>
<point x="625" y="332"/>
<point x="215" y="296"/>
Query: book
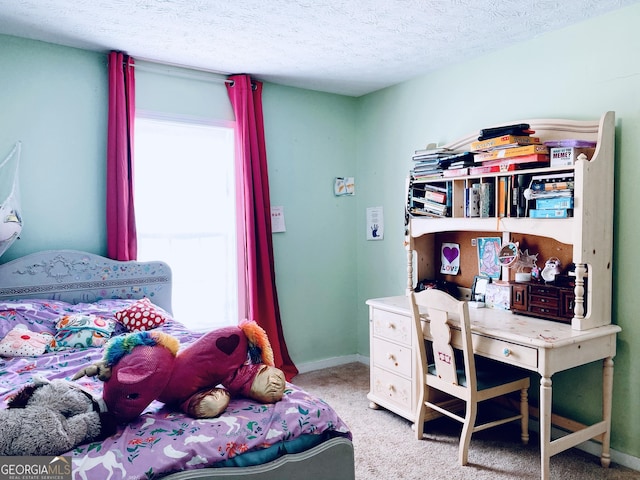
<point x="552" y="182"/>
<point x="522" y="159"/>
<point x="551" y="213"/>
<point x="503" y="141"/>
<point x="571" y="143"/>
<point x="511" y="152"/>
<point x="456" y="172"/>
<point x="547" y="186"/>
<point x="503" y="189"/>
<point x="518" y="201"/>
<point x="561" y="156"/>
<point x="482" y="169"/>
<point x="515" y="129"/>
<point x="420" y="195"/>
<point x="554" y="203"/>
<point x="429" y="205"/>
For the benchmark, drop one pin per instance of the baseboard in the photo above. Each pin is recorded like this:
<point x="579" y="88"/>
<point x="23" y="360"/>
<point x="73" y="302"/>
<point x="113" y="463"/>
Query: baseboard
<point x="331" y="362"/>
<point x="590" y="446"/>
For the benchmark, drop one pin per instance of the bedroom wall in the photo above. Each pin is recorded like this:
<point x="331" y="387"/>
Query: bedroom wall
<point x="579" y="72"/>
<point x="54" y="98"/>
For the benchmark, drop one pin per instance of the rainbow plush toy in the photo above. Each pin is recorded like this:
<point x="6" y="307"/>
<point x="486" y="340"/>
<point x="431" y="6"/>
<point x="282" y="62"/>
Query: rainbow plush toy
<point x="140" y="367"/>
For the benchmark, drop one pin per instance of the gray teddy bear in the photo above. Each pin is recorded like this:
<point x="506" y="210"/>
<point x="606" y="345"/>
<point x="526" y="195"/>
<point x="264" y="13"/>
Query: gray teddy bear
<point x="51" y="418"/>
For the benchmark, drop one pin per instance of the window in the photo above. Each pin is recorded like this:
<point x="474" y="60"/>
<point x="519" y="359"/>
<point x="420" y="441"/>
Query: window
<point x="186" y="216"/>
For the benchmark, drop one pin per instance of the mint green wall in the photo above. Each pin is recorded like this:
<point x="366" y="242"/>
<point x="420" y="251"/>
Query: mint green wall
<point x="311" y="139"/>
<point x="579" y="72"/>
<point x="54" y="100"/>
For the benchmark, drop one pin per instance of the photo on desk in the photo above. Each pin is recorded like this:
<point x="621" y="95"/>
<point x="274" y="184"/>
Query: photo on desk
<point x="479" y="288"/>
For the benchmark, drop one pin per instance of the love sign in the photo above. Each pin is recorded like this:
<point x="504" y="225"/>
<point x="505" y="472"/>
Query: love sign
<point x="450" y="259"/>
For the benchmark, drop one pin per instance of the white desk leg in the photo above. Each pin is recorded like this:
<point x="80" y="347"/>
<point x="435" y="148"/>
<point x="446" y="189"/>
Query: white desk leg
<point x="545" y="427"/>
<point x="607" y="396"/>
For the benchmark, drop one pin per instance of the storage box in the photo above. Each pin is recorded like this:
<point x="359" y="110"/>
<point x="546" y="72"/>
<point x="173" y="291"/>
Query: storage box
<point x="554" y="203"/>
<point x="560" y="156"/>
<point x="551" y="213"/>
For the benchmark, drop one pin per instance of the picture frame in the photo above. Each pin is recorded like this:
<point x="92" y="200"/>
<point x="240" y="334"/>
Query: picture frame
<point x="479" y="288"/>
<point x="488" y="253"/>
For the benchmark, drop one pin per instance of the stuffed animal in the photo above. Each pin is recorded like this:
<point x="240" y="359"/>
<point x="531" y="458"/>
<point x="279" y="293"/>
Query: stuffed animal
<point x="50" y="418"/>
<point x="200" y="379"/>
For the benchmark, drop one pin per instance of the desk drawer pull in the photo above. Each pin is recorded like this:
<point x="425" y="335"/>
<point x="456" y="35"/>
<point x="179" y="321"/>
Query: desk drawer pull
<point x="506" y="351"/>
<point x="391" y="326"/>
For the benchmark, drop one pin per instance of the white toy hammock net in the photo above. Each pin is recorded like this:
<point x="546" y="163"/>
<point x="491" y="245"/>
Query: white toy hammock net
<point x="10" y="216"/>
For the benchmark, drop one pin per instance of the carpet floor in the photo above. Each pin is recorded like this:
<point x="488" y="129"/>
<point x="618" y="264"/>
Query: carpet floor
<point x="385" y="446"/>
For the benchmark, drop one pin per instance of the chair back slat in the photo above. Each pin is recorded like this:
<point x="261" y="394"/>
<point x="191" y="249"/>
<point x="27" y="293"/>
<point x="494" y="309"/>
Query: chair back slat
<point x="443" y="355"/>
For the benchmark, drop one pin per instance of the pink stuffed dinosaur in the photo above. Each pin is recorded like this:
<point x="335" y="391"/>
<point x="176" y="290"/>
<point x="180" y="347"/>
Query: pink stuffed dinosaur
<point x="140" y="367"/>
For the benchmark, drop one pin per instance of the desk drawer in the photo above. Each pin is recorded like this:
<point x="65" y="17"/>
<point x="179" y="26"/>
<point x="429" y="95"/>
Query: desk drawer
<point x="519" y="355"/>
<point x="392" y="388"/>
<point x="392" y="356"/>
<point x="501" y="350"/>
<point x="544" y="302"/>
<point x="391" y="326"/>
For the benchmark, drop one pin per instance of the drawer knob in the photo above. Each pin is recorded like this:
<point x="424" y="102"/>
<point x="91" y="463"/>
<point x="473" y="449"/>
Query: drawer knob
<point x="391" y="356"/>
<point x="506" y="352"/>
<point x="391" y="325"/>
<point x="391" y="388"/>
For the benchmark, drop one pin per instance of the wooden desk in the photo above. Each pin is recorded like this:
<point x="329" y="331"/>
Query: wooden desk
<point x="541" y="346"/>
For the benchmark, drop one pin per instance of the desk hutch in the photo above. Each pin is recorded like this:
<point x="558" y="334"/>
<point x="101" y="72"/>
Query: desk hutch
<point x="540" y="345"/>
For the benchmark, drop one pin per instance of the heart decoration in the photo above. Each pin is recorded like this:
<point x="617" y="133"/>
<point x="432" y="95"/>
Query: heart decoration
<point x="450" y="253"/>
<point x="228" y="344"/>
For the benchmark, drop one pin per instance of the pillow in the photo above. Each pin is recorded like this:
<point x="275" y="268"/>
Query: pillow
<point x="142" y="315"/>
<point x="79" y="330"/>
<point x="22" y="342"/>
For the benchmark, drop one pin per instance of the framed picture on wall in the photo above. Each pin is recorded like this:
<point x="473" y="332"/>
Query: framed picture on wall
<point x="489" y="256"/>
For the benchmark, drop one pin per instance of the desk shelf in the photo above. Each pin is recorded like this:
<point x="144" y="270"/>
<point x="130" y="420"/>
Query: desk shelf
<point x="586" y="238"/>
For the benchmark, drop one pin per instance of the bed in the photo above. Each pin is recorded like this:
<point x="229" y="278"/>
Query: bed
<point x="300" y="436"/>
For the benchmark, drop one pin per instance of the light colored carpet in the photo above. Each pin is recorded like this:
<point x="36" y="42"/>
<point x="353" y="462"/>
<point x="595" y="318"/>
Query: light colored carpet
<point x="386" y="448"/>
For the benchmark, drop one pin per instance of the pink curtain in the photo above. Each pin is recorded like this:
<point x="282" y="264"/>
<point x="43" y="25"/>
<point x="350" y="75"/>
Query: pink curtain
<point x="121" y="220"/>
<point x="254" y="218"/>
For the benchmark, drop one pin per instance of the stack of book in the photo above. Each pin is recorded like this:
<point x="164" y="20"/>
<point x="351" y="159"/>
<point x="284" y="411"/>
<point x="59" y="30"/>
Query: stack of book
<point x="427" y="199"/>
<point x="433" y="162"/>
<point x="552" y="194"/>
<point x="508" y="148"/>
<point x="427" y="162"/>
<point x="458" y="164"/>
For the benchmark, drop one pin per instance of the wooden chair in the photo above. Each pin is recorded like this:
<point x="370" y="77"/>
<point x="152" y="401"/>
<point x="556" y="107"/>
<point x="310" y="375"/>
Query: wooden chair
<point x="447" y="363"/>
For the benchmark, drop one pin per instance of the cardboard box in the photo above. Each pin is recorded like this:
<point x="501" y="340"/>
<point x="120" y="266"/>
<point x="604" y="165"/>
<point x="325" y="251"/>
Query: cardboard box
<point x="561" y="156"/>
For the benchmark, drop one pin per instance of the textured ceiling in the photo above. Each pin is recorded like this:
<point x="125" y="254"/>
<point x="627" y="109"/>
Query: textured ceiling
<point x="350" y="47"/>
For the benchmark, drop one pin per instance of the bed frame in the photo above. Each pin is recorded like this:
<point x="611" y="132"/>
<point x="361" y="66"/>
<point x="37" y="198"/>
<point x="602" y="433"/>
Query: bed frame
<point x="80" y="277"/>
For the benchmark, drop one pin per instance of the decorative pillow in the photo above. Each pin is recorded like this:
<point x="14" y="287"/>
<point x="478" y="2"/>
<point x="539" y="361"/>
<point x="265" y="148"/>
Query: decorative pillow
<point x="79" y="330"/>
<point x="142" y="315"/>
<point x="22" y="342"/>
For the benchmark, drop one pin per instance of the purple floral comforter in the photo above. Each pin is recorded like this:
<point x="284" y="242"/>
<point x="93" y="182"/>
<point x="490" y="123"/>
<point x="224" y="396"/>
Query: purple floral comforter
<point x="160" y="441"/>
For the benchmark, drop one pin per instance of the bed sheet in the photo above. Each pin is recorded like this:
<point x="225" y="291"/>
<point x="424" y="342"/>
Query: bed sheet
<point x="163" y="440"/>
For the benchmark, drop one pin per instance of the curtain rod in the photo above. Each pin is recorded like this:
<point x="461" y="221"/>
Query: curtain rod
<point x="180" y="71"/>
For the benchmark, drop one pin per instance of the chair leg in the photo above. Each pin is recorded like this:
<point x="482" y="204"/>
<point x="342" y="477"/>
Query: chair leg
<point x="467" y="430"/>
<point x="524" y="411"/>
<point x="420" y="415"/>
